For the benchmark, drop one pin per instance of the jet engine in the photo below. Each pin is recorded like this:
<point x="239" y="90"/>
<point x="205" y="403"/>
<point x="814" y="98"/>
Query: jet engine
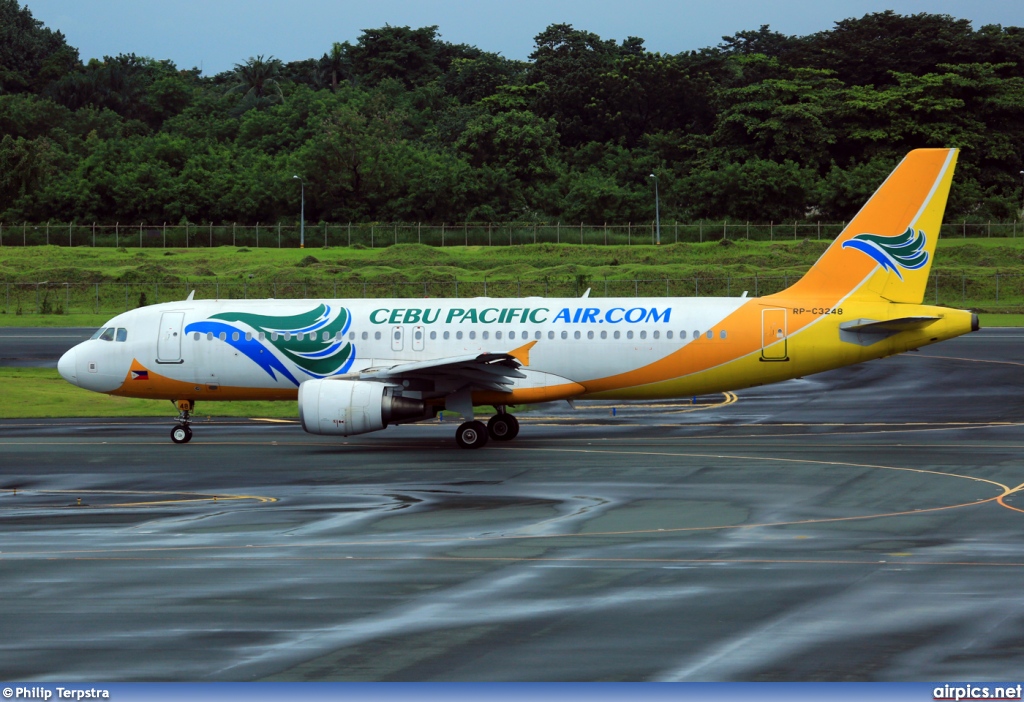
<point x="348" y="407"/>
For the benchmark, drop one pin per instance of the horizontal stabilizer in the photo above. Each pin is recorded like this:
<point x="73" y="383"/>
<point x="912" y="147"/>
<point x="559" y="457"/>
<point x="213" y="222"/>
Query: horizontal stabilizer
<point x="888" y="326"/>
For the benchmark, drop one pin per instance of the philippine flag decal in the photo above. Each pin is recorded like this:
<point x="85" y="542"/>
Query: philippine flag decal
<point x="140" y="375"/>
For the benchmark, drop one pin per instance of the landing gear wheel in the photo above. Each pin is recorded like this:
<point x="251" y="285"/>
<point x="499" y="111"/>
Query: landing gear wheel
<point x="471" y="435"/>
<point x="181" y="434"/>
<point x="503" y="427"/>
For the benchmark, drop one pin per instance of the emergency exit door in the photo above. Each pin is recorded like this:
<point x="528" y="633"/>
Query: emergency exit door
<point x="773" y="335"/>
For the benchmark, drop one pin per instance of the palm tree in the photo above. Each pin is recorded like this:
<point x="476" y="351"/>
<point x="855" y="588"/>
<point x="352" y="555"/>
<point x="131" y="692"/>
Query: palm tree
<point x="258" y="80"/>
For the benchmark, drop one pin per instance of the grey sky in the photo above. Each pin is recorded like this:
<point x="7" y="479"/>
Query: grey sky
<point x="216" y="34"/>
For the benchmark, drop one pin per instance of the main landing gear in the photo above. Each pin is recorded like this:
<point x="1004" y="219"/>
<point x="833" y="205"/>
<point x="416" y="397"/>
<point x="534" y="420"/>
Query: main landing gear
<point x="182" y="433"/>
<point x="501" y="427"/>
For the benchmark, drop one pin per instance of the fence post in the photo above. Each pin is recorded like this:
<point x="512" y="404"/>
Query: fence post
<point x="755" y="285"/>
<point x="47" y="232"/>
<point x="373" y="231"/>
<point x="186" y="235"/>
<point x="558" y="232"/>
<point x="278" y="235"/>
<point x="396" y="236"/>
<point x="257" y="235"/>
<point x="465" y="234"/>
<point x="165" y="235"/>
<point x="771" y="232"/>
<point x="629" y="233"/>
<point x="97" y="298"/>
<point x="117" y="239"/>
<point x="936" y="288"/>
<point x="419" y="232"/>
<point x="581" y="232"/>
<point x="69" y="237"/>
<point x="997" y="287"/>
<point x="963" y="287"/>
<point x="233" y="233"/>
<point x="94" y="238"/>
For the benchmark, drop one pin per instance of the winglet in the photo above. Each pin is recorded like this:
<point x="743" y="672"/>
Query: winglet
<point x="191" y="295"/>
<point x="522" y="354"/>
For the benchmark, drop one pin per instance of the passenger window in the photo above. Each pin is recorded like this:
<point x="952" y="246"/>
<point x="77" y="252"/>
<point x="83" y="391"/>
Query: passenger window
<point x="458" y="335"/>
<point x="497" y="335"/>
<point x="351" y="336"/>
<point x="273" y="336"/>
<point x="472" y="335"/>
<point x="209" y="336"/>
<point x="223" y="336"/>
<point x="576" y="335"/>
<point x="234" y="336"/>
<point x="616" y="334"/>
<point x="484" y="335"/>
<point x="248" y="336"/>
<point x="565" y="335"/>
<point x="287" y="336"/>
<point x="604" y="335"/>
<point x="433" y="335"/>
<point x="590" y="335"/>
<point x="195" y="337"/>
<point x="108" y="334"/>
<point x="668" y="335"/>
<point x="263" y="336"/>
<point x="122" y="334"/>
<point x="551" y="335"/>
<point x="511" y="335"/>
<point x="657" y="334"/>
<point x="537" y="335"/>
<point x="682" y="335"/>
<point x="696" y="334"/>
<point x="711" y="334"/>
<point x="643" y="335"/>
<point x="326" y="336"/>
<point x="398" y="335"/>
<point x="418" y="334"/>
<point x="721" y="334"/>
<point x="447" y="335"/>
<point x="629" y="334"/>
<point x="376" y="335"/>
<point x="365" y="336"/>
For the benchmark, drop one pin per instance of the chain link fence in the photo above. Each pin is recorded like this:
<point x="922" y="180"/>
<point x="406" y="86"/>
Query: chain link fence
<point x="379" y="235"/>
<point x="952" y="289"/>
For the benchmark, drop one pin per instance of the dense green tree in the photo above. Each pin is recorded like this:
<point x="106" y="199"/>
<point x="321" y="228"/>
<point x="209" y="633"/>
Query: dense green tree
<point x="401" y="125"/>
<point x="258" y="82"/>
<point x="31" y="55"/>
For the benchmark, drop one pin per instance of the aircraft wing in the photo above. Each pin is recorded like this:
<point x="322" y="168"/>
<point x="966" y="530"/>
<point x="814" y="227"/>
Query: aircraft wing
<point x="485" y="371"/>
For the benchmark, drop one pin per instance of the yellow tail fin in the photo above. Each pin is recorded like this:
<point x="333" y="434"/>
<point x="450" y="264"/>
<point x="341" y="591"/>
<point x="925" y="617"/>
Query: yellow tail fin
<point x="888" y="248"/>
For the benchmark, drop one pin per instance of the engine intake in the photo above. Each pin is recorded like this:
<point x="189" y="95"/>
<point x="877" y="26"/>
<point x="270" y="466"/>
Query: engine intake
<point x="347" y="407"/>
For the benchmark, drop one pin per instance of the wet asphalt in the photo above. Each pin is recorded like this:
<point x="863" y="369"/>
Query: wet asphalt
<point x="861" y="524"/>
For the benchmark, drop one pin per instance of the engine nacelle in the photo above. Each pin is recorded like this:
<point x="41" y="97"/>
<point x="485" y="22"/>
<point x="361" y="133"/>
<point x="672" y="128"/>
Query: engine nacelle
<point x="348" y="407"/>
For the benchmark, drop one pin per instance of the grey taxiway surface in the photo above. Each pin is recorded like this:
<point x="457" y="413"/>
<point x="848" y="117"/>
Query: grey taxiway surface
<point x="862" y="524"/>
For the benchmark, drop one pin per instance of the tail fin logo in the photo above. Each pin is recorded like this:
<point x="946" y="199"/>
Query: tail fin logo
<point x="906" y="250"/>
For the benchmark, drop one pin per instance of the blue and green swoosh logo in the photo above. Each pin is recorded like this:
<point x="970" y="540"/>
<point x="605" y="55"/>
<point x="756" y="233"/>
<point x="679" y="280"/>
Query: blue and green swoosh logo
<point x="313" y="341"/>
<point x="904" y="250"/>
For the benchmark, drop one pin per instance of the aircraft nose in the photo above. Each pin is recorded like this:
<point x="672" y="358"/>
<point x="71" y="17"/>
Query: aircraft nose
<point x="67" y="366"/>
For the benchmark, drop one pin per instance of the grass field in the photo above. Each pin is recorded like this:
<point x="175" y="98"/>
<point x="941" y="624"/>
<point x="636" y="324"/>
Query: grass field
<point x="41" y="392"/>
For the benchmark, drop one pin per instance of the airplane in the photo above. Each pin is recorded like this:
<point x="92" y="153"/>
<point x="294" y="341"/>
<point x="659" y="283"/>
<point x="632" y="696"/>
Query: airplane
<point x="358" y="366"/>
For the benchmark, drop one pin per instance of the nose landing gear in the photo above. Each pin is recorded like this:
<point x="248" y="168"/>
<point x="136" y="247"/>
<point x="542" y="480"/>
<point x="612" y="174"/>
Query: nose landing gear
<point x="182" y="433"/>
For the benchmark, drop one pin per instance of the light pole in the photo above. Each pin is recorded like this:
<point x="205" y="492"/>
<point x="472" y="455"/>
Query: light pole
<point x="302" y="214"/>
<point x="657" y="213"/>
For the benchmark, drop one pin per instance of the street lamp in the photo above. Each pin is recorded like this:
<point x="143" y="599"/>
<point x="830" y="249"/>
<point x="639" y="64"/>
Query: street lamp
<point x="302" y="214"/>
<point x="657" y="213"/>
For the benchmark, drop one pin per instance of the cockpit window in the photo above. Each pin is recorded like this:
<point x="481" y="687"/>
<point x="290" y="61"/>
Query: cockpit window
<point x="122" y="334"/>
<point x="97" y="334"/>
<point x="108" y="334"/>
